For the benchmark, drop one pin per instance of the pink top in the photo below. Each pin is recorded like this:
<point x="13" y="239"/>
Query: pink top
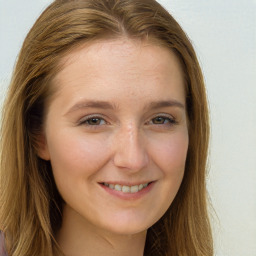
<point x="2" y="247"/>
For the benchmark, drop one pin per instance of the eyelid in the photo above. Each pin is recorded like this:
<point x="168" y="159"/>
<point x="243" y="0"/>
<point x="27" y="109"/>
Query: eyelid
<point x="165" y="115"/>
<point x="172" y="119"/>
<point x="86" y="118"/>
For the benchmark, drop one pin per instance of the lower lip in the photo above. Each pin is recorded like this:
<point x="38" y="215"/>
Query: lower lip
<point x="129" y="196"/>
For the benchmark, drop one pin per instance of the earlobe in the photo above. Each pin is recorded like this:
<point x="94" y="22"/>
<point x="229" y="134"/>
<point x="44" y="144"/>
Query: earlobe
<point x="42" y="148"/>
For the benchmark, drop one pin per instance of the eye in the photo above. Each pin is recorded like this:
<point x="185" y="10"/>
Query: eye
<point x="163" y="120"/>
<point x="92" y="121"/>
<point x="160" y="120"/>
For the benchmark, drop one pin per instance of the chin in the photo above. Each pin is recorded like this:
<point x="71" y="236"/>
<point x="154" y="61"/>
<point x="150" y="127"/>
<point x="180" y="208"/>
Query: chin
<point x="129" y="225"/>
<point x="127" y="229"/>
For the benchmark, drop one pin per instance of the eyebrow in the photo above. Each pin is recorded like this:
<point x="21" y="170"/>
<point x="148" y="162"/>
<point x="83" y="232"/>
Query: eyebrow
<point x="165" y="103"/>
<point x="106" y="105"/>
<point x="91" y="104"/>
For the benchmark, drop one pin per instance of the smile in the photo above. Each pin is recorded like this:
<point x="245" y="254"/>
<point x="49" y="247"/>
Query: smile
<point x="126" y="189"/>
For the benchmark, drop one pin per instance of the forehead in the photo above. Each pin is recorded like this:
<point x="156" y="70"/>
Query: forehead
<point x="118" y="64"/>
<point x="150" y="54"/>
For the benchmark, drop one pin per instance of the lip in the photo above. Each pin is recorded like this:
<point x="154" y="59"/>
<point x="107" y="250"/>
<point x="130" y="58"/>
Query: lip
<point x="128" y="196"/>
<point x="125" y="183"/>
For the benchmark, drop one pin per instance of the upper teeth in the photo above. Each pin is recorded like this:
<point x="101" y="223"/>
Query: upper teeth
<point x="126" y="189"/>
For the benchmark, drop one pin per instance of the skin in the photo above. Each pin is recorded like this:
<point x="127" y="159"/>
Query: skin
<point x="129" y="141"/>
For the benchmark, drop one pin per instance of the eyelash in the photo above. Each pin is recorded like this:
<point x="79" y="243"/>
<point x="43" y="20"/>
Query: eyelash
<point x="171" y="121"/>
<point x="89" y="118"/>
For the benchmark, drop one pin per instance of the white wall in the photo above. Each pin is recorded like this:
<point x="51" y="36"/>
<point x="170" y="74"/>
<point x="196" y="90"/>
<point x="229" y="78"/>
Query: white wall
<point x="224" y="35"/>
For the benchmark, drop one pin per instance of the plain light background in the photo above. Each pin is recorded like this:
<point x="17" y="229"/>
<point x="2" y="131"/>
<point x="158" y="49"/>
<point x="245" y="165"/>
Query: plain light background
<point x="223" y="33"/>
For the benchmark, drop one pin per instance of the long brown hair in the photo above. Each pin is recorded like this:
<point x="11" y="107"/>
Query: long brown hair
<point x="30" y="205"/>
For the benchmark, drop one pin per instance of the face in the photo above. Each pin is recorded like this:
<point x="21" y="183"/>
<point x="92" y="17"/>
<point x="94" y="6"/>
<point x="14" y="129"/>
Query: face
<point x="116" y="134"/>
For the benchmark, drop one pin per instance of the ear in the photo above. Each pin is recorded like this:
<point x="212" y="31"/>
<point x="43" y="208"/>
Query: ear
<point x="42" y="147"/>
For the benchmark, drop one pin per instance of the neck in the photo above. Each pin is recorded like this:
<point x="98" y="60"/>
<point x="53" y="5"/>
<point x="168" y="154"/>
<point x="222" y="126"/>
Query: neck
<point x="78" y="237"/>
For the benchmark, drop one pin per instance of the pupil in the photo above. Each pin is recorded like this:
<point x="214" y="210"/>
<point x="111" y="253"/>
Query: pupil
<point x="94" y="121"/>
<point x="159" y="120"/>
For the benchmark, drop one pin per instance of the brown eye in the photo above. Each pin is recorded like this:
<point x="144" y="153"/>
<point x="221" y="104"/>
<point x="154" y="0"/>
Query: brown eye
<point x="159" y="120"/>
<point x="93" y="121"/>
<point x="163" y="120"/>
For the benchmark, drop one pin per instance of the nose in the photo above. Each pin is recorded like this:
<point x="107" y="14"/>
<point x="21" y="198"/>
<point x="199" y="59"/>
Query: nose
<point x="130" y="149"/>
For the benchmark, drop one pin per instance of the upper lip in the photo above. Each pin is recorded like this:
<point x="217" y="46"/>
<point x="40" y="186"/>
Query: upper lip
<point x="126" y="183"/>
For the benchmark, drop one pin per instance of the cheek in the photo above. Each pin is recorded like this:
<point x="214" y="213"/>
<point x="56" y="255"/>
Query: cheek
<point x="76" y="154"/>
<point x="170" y="153"/>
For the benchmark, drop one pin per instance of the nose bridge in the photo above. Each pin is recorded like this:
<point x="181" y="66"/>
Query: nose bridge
<point x="130" y="150"/>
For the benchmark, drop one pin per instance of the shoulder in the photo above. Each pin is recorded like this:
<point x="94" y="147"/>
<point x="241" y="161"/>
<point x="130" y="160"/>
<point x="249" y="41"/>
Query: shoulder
<point x="2" y="247"/>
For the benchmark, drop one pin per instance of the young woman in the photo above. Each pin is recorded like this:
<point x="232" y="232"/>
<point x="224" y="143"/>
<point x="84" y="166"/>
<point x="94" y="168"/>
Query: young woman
<point x="104" y="136"/>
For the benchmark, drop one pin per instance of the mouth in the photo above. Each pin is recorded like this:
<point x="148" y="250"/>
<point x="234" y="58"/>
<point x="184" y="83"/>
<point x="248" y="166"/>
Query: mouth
<point x="125" y="188"/>
<point x="127" y="191"/>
